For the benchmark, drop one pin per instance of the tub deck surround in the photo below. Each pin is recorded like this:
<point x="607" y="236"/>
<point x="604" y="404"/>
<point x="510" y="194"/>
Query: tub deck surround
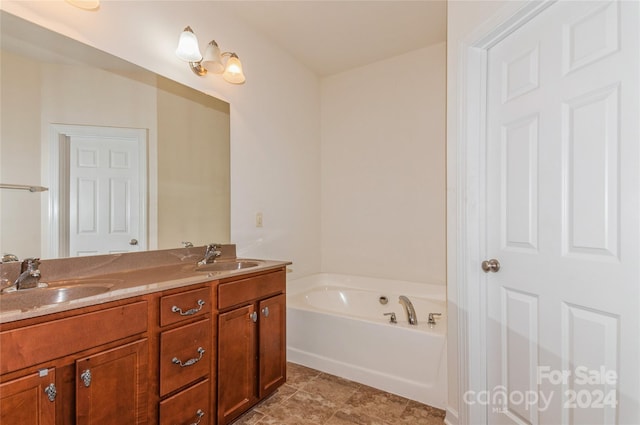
<point x="130" y="274"/>
<point x="336" y="324"/>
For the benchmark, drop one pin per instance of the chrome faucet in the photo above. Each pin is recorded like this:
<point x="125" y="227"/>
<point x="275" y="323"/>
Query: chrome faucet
<point x="411" y="312"/>
<point x="211" y="252"/>
<point x="29" y="276"/>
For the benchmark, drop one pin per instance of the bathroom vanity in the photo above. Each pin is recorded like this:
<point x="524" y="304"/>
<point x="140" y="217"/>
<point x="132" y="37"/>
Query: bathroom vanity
<point x="165" y="345"/>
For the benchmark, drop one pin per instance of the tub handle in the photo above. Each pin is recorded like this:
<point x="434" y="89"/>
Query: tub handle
<point x="392" y="319"/>
<point x="265" y="312"/>
<point x="432" y="320"/>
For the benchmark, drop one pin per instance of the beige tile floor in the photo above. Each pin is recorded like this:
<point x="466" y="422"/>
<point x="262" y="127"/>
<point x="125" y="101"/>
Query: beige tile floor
<point x="311" y="397"/>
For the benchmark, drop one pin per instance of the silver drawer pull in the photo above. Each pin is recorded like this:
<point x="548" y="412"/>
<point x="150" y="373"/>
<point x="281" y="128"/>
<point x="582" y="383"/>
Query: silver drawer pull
<point x="254" y="317"/>
<point x="190" y="361"/>
<point x="199" y="414"/>
<point x="178" y="310"/>
<point x="265" y="311"/>
<point x="51" y="392"/>
<point x="86" y="377"/>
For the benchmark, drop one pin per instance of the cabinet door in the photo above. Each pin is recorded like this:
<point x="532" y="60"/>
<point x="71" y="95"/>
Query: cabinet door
<point x="29" y="400"/>
<point x="272" y="344"/>
<point x="111" y="386"/>
<point x="236" y="362"/>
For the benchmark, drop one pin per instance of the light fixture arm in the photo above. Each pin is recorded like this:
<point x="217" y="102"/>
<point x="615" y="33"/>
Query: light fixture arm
<point x="200" y="70"/>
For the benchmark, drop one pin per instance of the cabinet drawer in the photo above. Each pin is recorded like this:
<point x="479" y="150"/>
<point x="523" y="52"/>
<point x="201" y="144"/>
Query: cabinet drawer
<point x="185" y="355"/>
<point x="188" y="406"/>
<point x="244" y="290"/>
<point x="23" y="347"/>
<point x="185" y="305"/>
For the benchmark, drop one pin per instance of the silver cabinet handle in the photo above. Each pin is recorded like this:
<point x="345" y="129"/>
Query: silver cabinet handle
<point x="265" y="311"/>
<point x="199" y="415"/>
<point x="190" y="361"/>
<point x="86" y="377"/>
<point x="492" y="266"/>
<point x="51" y="392"/>
<point x="194" y="310"/>
<point x="133" y="242"/>
<point x="254" y="317"/>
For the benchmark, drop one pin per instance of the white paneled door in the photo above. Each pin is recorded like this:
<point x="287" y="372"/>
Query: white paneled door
<point x="562" y="217"/>
<point x="105" y="204"/>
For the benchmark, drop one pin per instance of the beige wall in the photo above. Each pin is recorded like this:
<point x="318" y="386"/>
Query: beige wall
<point x="193" y="196"/>
<point x="19" y="137"/>
<point x="383" y="168"/>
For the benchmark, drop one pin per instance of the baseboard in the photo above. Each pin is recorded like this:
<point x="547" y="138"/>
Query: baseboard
<point x="452" y="417"/>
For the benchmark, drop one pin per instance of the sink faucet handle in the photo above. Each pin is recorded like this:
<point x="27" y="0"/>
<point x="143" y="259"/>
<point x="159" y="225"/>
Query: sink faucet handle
<point x="212" y="251"/>
<point x="9" y="258"/>
<point x="30" y="265"/>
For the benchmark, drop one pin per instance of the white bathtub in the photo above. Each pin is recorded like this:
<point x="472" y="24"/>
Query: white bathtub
<point x="335" y="324"/>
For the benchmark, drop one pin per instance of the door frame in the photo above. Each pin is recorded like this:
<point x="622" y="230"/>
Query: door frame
<point x="58" y="213"/>
<point x="470" y="216"/>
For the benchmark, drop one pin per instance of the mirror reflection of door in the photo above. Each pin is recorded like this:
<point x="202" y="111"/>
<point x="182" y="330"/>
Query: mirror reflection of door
<point x="100" y="198"/>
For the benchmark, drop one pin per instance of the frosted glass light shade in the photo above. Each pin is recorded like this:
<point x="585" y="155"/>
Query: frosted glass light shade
<point x="188" y="46"/>
<point x="212" y="59"/>
<point x="233" y="71"/>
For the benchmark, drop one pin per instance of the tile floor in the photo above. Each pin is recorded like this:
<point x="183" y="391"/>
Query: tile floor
<point x="311" y="397"/>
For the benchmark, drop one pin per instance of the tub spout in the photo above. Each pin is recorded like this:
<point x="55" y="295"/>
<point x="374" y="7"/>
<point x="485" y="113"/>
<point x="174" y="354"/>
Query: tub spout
<point x="408" y="307"/>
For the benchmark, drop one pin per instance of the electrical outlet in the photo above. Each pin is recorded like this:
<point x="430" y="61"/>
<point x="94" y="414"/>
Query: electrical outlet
<point x="259" y="219"/>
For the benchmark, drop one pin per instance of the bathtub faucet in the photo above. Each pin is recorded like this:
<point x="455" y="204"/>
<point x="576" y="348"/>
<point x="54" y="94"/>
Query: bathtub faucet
<point x="411" y="312"/>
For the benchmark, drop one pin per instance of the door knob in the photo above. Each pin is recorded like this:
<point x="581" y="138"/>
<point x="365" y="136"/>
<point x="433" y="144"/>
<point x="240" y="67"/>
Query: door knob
<point x="133" y="242"/>
<point x="492" y="265"/>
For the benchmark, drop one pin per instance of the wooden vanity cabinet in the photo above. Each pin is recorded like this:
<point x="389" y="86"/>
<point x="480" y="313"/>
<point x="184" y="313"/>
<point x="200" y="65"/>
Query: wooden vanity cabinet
<point x="69" y="368"/>
<point x="201" y="354"/>
<point x="186" y="357"/>
<point x="251" y="342"/>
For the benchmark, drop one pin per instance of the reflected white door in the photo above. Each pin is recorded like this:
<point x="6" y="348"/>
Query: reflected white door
<point x="106" y="211"/>
<point x="562" y="218"/>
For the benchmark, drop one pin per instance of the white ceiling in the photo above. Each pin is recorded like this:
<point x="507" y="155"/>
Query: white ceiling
<point x="332" y="36"/>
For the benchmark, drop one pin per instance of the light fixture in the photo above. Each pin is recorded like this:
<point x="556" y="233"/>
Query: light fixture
<point x="225" y="63"/>
<point x="85" y="4"/>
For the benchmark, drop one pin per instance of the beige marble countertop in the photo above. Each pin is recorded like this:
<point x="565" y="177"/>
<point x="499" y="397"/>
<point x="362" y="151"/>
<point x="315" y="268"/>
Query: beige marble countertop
<point x="123" y="284"/>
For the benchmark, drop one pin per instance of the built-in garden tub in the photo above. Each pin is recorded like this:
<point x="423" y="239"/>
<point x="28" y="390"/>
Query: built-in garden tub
<point x="336" y="324"/>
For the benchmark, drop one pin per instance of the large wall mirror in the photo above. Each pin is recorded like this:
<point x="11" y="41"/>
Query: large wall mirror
<point x="130" y="160"/>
